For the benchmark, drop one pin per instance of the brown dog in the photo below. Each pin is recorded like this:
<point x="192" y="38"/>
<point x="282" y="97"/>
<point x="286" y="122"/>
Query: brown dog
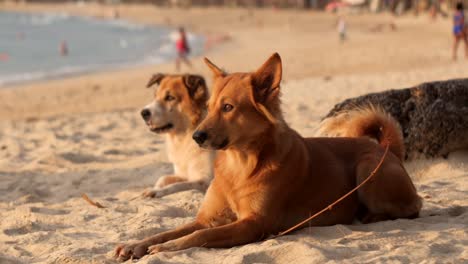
<point x="269" y="178"/>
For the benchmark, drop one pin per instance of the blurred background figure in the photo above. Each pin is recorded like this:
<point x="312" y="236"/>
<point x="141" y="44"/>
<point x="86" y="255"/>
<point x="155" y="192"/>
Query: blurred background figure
<point x="183" y="49"/>
<point x="434" y="9"/>
<point x="4" y="56"/>
<point x="20" y="36"/>
<point x="341" y="27"/>
<point x="459" y="30"/>
<point x="63" y="48"/>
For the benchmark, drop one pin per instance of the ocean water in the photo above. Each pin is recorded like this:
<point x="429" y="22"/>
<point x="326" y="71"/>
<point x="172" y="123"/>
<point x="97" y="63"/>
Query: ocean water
<point x="30" y="45"/>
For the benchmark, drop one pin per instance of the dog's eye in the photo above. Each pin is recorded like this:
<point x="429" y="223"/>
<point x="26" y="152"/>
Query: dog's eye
<point x="169" y="98"/>
<point x="227" y="108"/>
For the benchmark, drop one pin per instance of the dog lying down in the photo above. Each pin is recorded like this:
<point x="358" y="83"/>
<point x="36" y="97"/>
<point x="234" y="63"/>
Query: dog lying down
<point x="433" y="116"/>
<point x="269" y="178"/>
<point x="178" y="106"/>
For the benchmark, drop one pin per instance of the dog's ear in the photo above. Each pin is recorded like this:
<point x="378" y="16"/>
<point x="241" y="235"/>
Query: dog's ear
<point x="266" y="80"/>
<point x="196" y="87"/>
<point x="155" y="79"/>
<point x="214" y="69"/>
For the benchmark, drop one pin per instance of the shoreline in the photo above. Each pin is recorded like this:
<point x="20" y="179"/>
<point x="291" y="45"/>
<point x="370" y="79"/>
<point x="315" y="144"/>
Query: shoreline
<point x="14" y="80"/>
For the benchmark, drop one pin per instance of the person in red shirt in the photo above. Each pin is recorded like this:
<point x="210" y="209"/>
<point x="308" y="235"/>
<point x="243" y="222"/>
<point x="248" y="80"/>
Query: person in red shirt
<point x="183" y="49"/>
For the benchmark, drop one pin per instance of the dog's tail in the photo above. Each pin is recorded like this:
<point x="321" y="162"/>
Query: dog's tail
<point x="369" y="121"/>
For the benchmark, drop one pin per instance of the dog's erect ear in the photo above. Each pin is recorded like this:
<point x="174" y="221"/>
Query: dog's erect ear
<point x="215" y="69"/>
<point x="155" y="79"/>
<point x="196" y="86"/>
<point x="267" y="78"/>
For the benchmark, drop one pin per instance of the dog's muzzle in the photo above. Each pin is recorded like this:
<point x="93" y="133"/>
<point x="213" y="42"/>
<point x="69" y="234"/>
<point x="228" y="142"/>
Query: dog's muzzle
<point x="145" y="114"/>
<point x="200" y="137"/>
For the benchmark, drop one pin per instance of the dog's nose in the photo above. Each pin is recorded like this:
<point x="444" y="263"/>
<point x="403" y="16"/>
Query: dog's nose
<point x="200" y="136"/>
<point x="146" y="114"/>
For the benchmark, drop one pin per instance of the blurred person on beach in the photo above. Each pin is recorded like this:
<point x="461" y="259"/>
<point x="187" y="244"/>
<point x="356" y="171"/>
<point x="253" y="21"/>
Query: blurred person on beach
<point x="4" y="56"/>
<point x="182" y="48"/>
<point x="115" y="14"/>
<point x="20" y="36"/>
<point x="459" y="30"/>
<point x="435" y="9"/>
<point x="63" y="48"/>
<point x="341" y="27"/>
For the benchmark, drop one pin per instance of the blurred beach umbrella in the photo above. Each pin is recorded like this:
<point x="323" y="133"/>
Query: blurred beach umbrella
<point x="354" y="2"/>
<point x="334" y="5"/>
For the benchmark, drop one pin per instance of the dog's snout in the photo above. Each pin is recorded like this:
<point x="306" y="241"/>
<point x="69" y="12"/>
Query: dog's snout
<point x="146" y="114"/>
<point x="200" y="136"/>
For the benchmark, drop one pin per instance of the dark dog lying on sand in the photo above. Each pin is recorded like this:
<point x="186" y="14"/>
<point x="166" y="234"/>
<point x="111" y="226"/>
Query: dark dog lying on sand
<point x="433" y="116"/>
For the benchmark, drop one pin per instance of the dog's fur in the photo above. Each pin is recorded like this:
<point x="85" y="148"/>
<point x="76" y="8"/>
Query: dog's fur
<point x="365" y="121"/>
<point x="269" y="178"/>
<point x="178" y="106"/>
<point x="433" y="116"/>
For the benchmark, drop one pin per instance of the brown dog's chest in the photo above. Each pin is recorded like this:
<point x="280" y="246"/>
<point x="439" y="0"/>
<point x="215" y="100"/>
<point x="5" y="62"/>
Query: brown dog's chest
<point x="233" y="193"/>
<point x="243" y="195"/>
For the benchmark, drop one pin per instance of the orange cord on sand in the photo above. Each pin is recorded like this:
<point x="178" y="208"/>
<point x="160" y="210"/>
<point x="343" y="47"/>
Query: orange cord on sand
<point x="91" y="202"/>
<point x="330" y="207"/>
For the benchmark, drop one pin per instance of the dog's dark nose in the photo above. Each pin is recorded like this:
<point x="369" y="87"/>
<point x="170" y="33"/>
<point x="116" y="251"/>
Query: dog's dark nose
<point x="200" y="136"/>
<point x="146" y="114"/>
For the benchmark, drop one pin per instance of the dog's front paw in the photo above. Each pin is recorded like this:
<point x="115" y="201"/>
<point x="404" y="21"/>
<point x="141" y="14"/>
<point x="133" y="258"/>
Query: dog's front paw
<point x="130" y="251"/>
<point x="168" y="246"/>
<point x="150" y="194"/>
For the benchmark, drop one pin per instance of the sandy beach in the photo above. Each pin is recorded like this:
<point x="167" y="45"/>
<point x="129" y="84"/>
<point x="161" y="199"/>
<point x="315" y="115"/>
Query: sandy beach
<point x="62" y="138"/>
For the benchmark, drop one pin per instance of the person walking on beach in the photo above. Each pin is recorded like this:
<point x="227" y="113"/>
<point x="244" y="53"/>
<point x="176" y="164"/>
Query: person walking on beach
<point x="183" y="49"/>
<point x="63" y="48"/>
<point x="341" y="27"/>
<point x="459" y="30"/>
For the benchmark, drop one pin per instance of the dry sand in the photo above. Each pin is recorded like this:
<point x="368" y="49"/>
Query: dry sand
<point x="61" y="138"/>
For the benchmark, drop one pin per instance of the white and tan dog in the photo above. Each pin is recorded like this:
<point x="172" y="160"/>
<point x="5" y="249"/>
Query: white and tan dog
<point x="178" y="107"/>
